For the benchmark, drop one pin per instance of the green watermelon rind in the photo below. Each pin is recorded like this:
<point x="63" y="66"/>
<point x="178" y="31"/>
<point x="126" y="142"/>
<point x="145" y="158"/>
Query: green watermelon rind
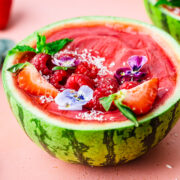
<point x="99" y="144"/>
<point x="163" y="19"/>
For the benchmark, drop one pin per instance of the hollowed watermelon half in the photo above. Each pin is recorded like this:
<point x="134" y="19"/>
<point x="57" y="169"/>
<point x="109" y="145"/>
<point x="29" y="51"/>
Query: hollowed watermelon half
<point x="163" y="18"/>
<point x="102" y="143"/>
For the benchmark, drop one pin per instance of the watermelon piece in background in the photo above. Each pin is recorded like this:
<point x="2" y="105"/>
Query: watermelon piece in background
<point x="5" y="8"/>
<point x="163" y="18"/>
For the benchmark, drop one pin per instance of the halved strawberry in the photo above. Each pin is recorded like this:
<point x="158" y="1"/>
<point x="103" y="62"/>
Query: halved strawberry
<point x="141" y="98"/>
<point x="30" y="80"/>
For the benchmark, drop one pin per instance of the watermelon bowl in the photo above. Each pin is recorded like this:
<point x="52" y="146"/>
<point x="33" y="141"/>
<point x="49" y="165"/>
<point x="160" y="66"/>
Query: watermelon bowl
<point x="164" y="18"/>
<point x="96" y="143"/>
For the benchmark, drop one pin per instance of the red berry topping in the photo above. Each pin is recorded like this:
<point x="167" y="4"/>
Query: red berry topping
<point x="94" y="103"/>
<point x="58" y="78"/>
<point x="108" y="82"/>
<point x="87" y="69"/>
<point x="75" y="81"/>
<point x="128" y="85"/>
<point x="106" y="85"/>
<point x="40" y="61"/>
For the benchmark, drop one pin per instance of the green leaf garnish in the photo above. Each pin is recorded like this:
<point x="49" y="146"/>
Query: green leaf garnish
<point x="17" y="67"/>
<point x="107" y="101"/>
<point x="117" y="98"/>
<point x="62" y="68"/>
<point x="53" y="47"/>
<point x="174" y="3"/>
<point x="42" y="46"/>
<point x="127" y="112"/>
<point x="23" y="48"/>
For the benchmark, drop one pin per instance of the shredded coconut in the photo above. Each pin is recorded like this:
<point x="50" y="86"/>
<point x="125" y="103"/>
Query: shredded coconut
<point x="112" y="64"/>
<point x="86" y="55"/>
<point x="162" y="88"/>
<point x="45" y="99"/>
<point x="168" y="166"/>
<point x="96" y="80"/>
<point x="111" y="118"/>
<point x="177" y="11"/>
<point x="91" y="115"/>
<point x="46" y="77"/>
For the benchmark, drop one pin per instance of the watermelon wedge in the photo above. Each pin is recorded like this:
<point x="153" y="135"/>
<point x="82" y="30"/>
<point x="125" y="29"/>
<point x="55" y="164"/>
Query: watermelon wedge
<point x="90" y="142"/>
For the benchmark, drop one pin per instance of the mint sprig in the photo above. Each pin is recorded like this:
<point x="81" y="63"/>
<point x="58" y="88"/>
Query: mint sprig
<point x="107" y="101"/>
<point x="117" y="99"/>
<point x="62" y="68"/>
<point x="23" y="48"/>
<point x="53" y="47"/>
<point x="127" y="112"/>
<point x="17" y="67"/>
<point x="42" y="46"/>
<point x="173" y="3"/>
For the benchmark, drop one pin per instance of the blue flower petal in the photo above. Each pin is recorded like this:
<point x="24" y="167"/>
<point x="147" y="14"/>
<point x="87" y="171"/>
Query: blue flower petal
<point x="86" y="92"/>
<point x="64" y="99"/>
<point x="73" y="100"/>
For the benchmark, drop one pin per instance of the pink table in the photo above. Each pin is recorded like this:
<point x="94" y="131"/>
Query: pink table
<point x="20" y="159"/>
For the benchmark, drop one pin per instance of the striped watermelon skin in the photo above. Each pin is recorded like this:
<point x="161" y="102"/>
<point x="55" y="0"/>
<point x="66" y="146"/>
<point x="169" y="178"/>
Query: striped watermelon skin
<point x="163" y="20"/>
<point x="94" y="146"/>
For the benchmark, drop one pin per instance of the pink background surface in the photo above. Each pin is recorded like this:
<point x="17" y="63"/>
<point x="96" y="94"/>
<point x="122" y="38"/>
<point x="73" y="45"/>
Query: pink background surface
<point x="21" y="159"/>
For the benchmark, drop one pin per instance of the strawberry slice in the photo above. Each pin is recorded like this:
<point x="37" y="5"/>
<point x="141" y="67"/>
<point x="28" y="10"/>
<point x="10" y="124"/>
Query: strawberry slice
<point x="30" y="80"/>
<point x="141" y="98"/>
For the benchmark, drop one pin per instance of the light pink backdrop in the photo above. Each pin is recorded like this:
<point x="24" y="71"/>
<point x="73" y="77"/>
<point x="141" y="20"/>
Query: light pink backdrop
<point x="20" y="159"/>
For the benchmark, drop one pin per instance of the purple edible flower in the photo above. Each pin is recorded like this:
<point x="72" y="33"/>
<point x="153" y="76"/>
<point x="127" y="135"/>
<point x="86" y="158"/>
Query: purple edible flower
<point x="136" y="62"/>
<point x="74" y="100"/>
<point x="132" y="72"/>
<point x="66" y="60"/>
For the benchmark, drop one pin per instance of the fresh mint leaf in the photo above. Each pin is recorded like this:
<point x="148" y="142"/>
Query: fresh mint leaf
<point x="17" y="67"/>
<point x="107" y="101"/>
<point x="127" y="112"/>
<point x="54" y="47"/>
<point x="174" y="3"/>
<point x="23" y="48"/>
<point x="41" y="44"/>
<point x="62" y="68"/>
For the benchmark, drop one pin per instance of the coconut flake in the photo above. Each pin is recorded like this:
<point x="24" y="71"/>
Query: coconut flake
<point x="168" y="166"/>
<point x="177" y="11"/>
<point x="86" y="55"/>
<point x="112" y="64"/>
<point x="91" y="115"/>
<point x="47" y="77"/>
<point x="45" y="99"/>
